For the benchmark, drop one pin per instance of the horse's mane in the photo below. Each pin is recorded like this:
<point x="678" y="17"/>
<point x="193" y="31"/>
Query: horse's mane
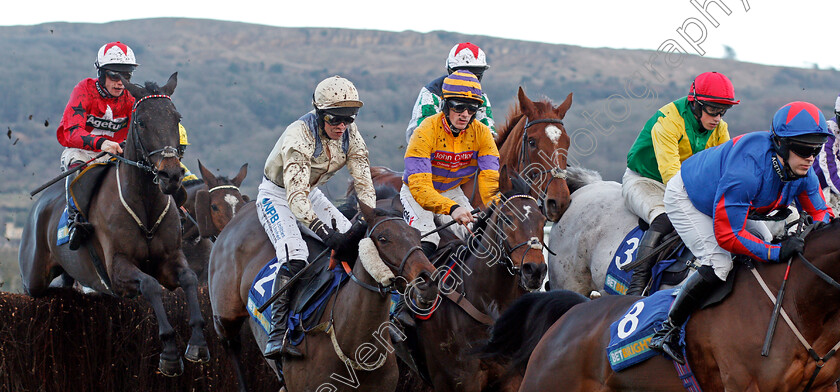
<point x="349" y="207"/>
<point x="539" y="310"/>
<point x="514" y="115"/>
<point x="577" y="177"/>
<point x="152" y="88"/>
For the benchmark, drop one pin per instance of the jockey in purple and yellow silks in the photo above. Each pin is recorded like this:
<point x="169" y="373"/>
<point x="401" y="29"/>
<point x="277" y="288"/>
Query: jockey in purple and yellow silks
<point x="443" y="153"/>
<point x="714" y="194"/>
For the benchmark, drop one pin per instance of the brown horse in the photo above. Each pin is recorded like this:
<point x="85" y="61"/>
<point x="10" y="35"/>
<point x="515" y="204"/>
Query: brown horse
<point x="724" y="342"/>
<point x="533" y="143"/>
<point x="359" y="316"/>
<point x="211" y="203"/>
<point x="136" y="245"/>
<point x="503" y="262"/>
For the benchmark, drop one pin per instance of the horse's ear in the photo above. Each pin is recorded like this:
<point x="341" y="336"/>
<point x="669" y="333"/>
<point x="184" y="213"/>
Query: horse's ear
<point x="367" y="212"/>
<point x="504" y="179"/>
<point x="519" y="185"/>
<point x="169" y="88"/>
<point x="203" y="215"/>
<point x="564" y="107"/>
<point x="206" y="175"/>
<point x="525" y="104"/>
<point x="243" y="171"/>
<point x="135" y="90"/>
<point x="396" y="203"/>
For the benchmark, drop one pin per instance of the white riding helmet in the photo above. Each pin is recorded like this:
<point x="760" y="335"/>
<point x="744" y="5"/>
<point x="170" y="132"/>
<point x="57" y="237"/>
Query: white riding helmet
<point x="334" y="93"/>
<point x="466" y="54"/>
<point x="116" y="56"/>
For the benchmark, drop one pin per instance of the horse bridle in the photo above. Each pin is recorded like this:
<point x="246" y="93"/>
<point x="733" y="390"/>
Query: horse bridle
<point x="145" y="162"/>
<point x="533" y="243"/>
<point x="389" y="288"/>
<point x="525" y="160"/>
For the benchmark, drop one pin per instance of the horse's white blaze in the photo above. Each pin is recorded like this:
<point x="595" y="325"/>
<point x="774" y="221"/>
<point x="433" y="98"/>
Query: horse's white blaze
<point x="231" y="199"/>
<point x="553" y="133"/>
<point x="527" y="211"/>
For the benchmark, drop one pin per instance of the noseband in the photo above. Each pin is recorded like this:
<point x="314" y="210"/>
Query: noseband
<point x="525" y="159"/>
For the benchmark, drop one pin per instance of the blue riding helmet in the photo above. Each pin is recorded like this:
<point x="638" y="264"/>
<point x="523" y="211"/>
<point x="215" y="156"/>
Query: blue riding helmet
<point x="801" y="122"/>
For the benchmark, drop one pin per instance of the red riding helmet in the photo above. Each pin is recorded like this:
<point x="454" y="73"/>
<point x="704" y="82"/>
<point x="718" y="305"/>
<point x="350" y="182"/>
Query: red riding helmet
<point x="714" y="88"/>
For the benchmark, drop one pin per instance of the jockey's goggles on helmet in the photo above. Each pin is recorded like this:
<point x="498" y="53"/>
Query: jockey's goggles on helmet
<point x="713" y="110"/>
<point x="805" y="150"/>
<point x="115" y="76"/>
<point x="477" y="71"/>
<point x="459" y="107"/>
<point x="335" y="120"/>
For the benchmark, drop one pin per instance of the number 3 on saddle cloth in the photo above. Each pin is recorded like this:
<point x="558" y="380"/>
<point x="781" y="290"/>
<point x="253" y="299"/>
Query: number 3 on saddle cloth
<point x="630" y="335"/>
<point x="82" y="189"/>
<point x="308" y="300"/>
<point x="668" y="271"/>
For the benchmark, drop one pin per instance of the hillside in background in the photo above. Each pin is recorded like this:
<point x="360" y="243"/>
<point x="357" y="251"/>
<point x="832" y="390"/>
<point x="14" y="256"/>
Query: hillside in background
<point x="240" y="85"/>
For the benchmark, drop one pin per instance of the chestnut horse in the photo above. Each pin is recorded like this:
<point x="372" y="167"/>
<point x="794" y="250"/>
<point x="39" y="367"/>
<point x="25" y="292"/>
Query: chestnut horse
<point x="359" y="316"/>
<point x="136" y="245"/>
<point x="211" y="203"/>
<point x="504" y="260"/>
<point x="534" y="144"/>
<point x="723" y="342"/>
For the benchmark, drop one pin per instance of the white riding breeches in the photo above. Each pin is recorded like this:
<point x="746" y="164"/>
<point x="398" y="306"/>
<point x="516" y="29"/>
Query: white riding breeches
<point x="70" y="155"/>
<point x="281" y="225"/>
<point x="642" y="196"/>
<point x="424" y="220"/>
<point x="697" y="229"/>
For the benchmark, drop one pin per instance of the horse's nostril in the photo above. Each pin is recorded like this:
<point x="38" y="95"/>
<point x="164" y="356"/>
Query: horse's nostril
<point x="552" y="204"/>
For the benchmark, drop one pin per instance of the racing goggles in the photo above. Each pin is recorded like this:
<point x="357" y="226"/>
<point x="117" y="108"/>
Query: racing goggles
<point x="712" y="110"/>
<point x="115" y="76"/>
<point x="338" y="120"/>
<point x="805" y="150"/>
<point x="459" y="107"/>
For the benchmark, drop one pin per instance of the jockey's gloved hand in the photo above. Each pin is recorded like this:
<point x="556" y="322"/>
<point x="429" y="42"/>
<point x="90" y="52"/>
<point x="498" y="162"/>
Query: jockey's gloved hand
<point x="331" y="238"/>
<point x="357" y="230"/>
<point x="790" y="247"/>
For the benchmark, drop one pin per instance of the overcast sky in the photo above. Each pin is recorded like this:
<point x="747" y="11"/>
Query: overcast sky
<point x="780" y="32"/>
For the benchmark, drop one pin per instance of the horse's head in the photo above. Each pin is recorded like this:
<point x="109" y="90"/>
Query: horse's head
<point x="398" y="247"/>
<point x="536" y="144"/>
<point x="217" y="205"/>
<point x="516" y="225"/>
<point x="153" y="137"/>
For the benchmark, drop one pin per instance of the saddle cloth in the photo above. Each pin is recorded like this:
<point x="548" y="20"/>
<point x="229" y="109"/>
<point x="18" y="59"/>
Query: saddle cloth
<point x="308" y="300"/>
<point x="82" y="188"/>
<point x="664" y="272"/>
<point x="631" y="333"/>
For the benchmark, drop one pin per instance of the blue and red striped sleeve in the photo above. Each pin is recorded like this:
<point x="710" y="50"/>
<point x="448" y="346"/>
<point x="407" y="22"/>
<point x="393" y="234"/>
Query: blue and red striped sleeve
<point x="733" y="202"/>
<point x="812" y="200"/>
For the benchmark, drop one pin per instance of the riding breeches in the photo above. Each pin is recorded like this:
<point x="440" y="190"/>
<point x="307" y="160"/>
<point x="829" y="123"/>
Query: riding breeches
<point x="424" y="220"/>
<point x="697" y="229"/>
<point x="70" y="155"/>
<point x="281" y="224"/>
<point x="642" y="195"/>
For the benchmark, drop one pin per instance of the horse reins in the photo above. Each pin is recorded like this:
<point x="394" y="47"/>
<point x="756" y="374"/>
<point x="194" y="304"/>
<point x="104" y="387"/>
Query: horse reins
<point x="820" y="361"/>
<point x="382" y="290"/>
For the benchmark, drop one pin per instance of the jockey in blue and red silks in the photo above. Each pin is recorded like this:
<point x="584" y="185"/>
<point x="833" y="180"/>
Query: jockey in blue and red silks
<point x="715" y="192"/>
<point x="96" y="119"/>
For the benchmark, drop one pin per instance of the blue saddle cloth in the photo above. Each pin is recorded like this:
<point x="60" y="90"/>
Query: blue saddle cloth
<point x="631" y="333"/>
<point x="262" y="289"/>
<point x="63" y="236"/>
<point x="617" y="281"/>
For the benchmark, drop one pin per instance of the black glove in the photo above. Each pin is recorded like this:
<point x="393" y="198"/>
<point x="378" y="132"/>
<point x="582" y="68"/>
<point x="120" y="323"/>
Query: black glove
<point x="356" y="231"/>
<point x="790" y="247"/>
<point x="332" y="239"/>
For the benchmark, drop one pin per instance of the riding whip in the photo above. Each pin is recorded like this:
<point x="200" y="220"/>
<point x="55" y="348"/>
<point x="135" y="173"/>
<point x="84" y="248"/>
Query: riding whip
<point x="65" y="174"/>
<point x="291" y="281"/>
<point x="450" y="223"/>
